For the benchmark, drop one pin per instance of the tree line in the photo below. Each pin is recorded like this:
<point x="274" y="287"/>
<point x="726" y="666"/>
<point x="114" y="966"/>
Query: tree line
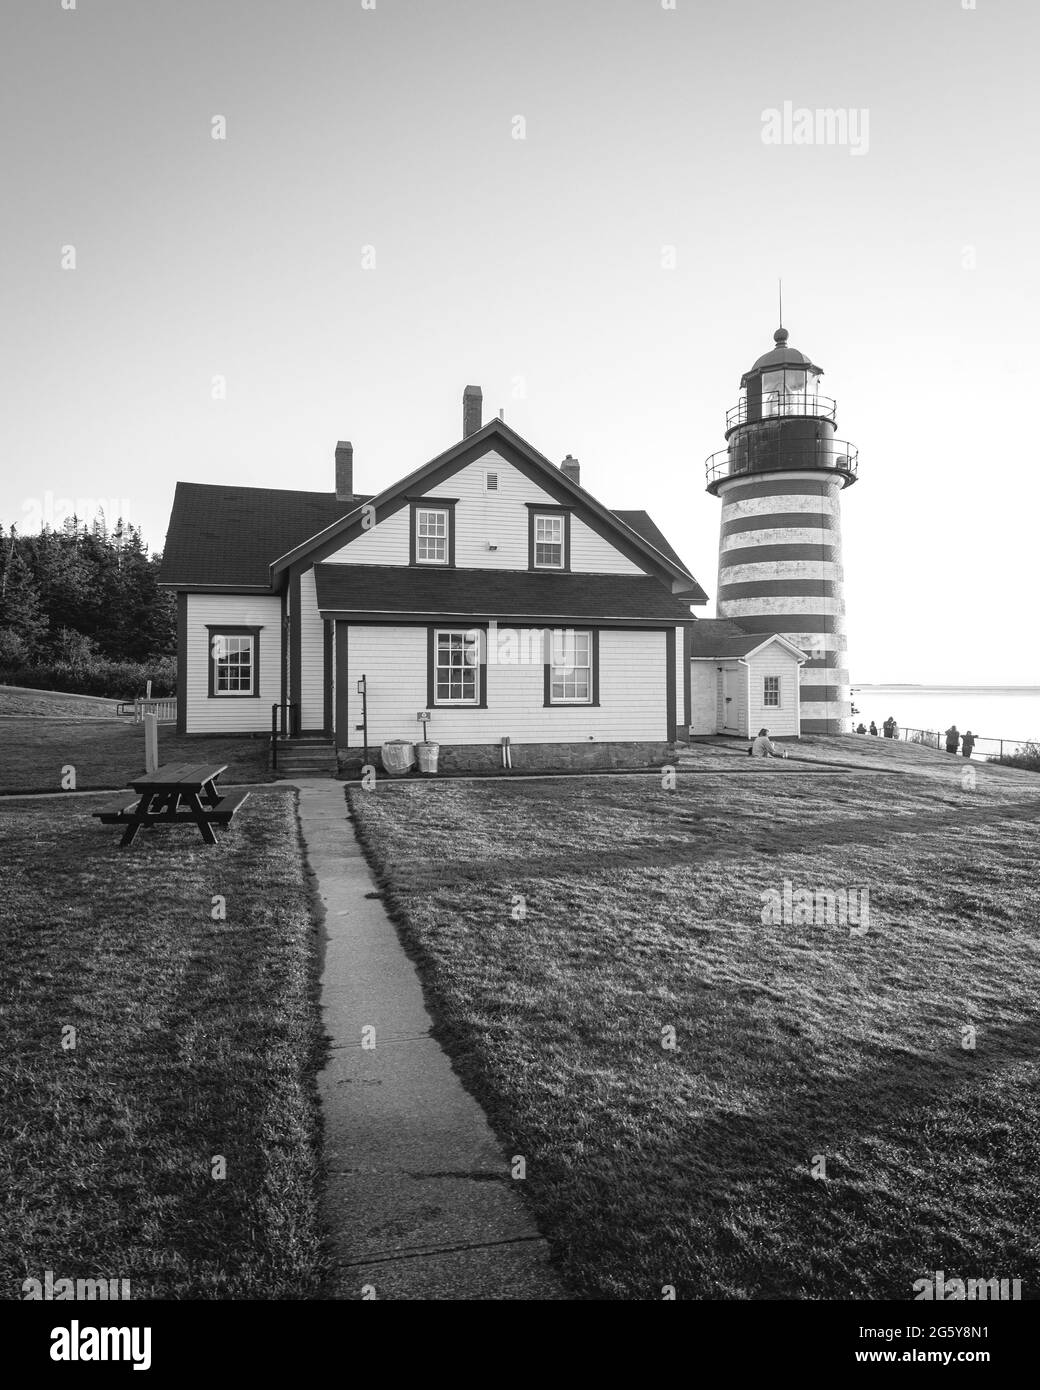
<point x="81" y="596"/>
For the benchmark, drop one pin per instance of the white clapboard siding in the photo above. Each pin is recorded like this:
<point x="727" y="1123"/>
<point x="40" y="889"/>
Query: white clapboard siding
<point x="774" y="661"/>
<point x="228" y="713"/>
<point x="386" y="543"/>
<point x="484" y="519"/>
<point x="632" y="708"/>
<point x="312" y="656"/>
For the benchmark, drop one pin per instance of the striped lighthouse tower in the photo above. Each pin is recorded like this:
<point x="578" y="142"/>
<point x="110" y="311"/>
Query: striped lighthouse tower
<point x="780" y="479"/>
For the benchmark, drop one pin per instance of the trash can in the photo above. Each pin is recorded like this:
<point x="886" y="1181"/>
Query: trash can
<point x="398" y="756"/>
<point x="428" y="754"/>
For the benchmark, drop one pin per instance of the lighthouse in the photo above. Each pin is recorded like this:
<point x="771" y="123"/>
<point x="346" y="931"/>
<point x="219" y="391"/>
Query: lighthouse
<point x="780" y="480"/>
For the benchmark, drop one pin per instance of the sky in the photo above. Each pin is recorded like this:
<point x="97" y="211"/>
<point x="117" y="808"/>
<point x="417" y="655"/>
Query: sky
<point x="575" y="205"/>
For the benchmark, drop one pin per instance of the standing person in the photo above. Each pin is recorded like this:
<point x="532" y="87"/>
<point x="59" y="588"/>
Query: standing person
<point x="763" y="747"/>
<point x="967" y="743"/>
<point x="953" y="738"/>
<point x="873" y="728"/>
<point x="889" y="727"/>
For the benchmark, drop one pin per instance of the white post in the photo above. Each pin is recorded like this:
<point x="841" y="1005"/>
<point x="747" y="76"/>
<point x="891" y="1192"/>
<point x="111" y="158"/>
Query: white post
<point x="151" y="742"/>
<point x="148" y="691"/>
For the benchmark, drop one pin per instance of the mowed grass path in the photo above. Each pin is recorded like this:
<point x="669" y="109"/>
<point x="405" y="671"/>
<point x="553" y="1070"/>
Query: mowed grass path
<point x="693" y="1168"/>
<point x="195" y="1038"/>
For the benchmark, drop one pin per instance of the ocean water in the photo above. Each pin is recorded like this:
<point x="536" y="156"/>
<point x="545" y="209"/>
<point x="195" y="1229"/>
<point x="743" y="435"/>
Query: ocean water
<point x="990" y="712"/>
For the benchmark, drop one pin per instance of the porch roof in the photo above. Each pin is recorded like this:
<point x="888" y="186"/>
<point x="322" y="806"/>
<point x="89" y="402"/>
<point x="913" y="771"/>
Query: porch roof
<point x="417" y="592"/>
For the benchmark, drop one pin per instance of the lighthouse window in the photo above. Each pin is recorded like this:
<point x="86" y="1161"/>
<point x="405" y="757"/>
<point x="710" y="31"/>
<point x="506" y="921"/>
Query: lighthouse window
<point x="771" y="692"/>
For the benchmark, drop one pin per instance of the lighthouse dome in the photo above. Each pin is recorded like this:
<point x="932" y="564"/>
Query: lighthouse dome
<point x="782" y="355"/>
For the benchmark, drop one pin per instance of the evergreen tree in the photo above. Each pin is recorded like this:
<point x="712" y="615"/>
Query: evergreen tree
<point x="22" y="614"/>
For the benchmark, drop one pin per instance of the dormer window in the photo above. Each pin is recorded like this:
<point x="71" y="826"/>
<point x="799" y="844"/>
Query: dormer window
<point x="433" y="532"/>
<point x="549" y="538"/>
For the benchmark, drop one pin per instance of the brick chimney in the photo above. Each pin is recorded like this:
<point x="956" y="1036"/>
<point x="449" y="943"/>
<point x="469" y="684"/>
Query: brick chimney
<point x="571" y="468"/>
<point x="344" y="471"/>
<point x="472" y="410"/>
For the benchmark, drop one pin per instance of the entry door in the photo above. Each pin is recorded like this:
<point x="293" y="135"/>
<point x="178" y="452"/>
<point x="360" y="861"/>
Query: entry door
<point x="729" y="700"/>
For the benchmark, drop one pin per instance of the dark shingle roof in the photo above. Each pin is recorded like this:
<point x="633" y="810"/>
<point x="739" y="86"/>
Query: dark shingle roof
<point x="641" y="523"/>
<point x="723" y="637"/>
<point x="477" y="593"/>
<point x="229" y="536"/>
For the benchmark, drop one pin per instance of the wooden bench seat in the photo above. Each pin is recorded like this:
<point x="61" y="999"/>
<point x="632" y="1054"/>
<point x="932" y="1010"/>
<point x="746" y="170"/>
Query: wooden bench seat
<point x="117" y="811"/>
<point x="226" y="807"/>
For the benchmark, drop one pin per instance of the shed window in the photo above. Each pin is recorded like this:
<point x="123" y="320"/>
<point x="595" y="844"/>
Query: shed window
<point x="771" y="692"/>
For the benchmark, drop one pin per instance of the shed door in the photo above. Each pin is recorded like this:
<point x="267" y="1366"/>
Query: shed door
<point x="730" y="703"/>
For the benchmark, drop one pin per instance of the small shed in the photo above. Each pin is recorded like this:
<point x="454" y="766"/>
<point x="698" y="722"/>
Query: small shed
<point x="743" y="681"/>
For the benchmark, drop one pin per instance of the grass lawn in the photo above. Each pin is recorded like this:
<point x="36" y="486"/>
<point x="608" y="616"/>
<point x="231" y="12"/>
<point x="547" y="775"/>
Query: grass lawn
<point x="34" y="750"/>
<point x="649" y="1167"/>
<point x="194" y="1038"/>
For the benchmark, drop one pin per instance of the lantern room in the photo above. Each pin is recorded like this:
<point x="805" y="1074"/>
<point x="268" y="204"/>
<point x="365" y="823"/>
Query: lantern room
<point x="782" y="422"/>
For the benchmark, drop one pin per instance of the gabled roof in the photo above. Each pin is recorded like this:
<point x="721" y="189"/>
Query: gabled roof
<point x="475" y="594"/>
<point x="244" y="537"/>
<point x="496" y="434"/>
<point x="721" y="638"/>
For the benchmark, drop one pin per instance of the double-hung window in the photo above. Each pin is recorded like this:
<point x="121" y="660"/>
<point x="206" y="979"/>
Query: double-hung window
<point x="433" y="531"/>
<point x="549" y="538"/>
<point x="234" y="657"/>
<point x="456" y="666"/>
<point x="548" y="542"/>
<point x="771" y="692"/>
<point x="570" y="677"/>
<point x="431" y="535"/>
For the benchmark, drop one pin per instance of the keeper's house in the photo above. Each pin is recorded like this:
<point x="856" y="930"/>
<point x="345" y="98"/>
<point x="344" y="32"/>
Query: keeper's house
<point x="488" y="588"/>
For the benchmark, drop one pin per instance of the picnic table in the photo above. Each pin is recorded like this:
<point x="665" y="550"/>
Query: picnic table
<point x="178" y="794"/>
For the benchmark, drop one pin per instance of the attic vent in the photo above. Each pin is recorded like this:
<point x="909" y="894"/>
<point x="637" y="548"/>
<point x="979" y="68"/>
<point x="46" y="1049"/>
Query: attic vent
<point x="490" y="481"/>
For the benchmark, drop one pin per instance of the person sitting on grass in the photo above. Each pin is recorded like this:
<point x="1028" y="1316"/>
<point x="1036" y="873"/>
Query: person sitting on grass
<point x="861" y="728"/>
<point x="873" y="728"/>
<point x="763" y="747"/>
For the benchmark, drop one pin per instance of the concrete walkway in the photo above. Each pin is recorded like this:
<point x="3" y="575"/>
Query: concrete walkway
<point x="420" y="1201"/>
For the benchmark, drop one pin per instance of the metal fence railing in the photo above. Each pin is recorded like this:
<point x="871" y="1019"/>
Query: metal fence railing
<point x="985" y="747"/>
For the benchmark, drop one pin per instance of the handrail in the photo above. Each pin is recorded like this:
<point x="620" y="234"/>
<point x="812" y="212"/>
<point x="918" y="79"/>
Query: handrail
<point x="836" y="455"/>
<point x="778" y="407"/>
<point x="285" y="706"/>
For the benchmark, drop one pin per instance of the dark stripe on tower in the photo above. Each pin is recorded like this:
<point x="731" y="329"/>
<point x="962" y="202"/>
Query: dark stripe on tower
<point x="780" y="588"/>
<point x="792" y="622"/>
<point x="820" y="693"/>
<point x="776" y="521"/>
<point x="766" y="554"/>
<point x="788" y="487"/>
